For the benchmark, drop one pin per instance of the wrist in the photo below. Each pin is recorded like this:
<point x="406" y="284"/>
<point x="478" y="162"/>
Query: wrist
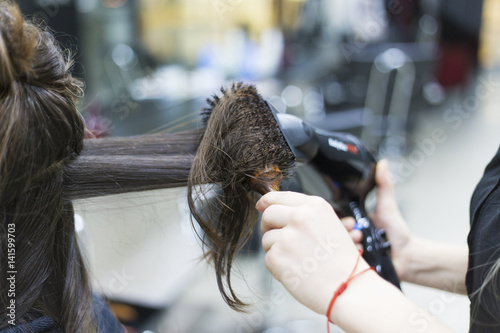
<point x="360" y="268"/>
<point x="347" y="303"/>
<point x="404" y="263"/>
<point x="371" y="304"/>
<point x="434" y="264"/>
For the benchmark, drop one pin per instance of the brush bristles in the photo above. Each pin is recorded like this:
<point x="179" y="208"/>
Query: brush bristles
<point x="240" y="137"/>
<point x="241" y="125"/>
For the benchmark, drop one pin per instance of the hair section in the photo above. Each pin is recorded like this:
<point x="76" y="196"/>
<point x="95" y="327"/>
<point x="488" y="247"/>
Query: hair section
<point x="240" y="138"/>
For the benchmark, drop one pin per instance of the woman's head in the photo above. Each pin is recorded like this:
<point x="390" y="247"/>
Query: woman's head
<point x="40" y="127"/>
<point x="40" y="132"/>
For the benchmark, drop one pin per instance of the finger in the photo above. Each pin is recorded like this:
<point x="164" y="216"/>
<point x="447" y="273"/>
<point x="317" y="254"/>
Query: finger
<point x="281" y="198"/>
<point x="275" y="217"/>
<point x="348" y="222"/>
<point x="269" y="238"/>
<point x="359" y="246"/>
<point x="376" y="222"/>
<point x="386" y="199"/>
<point x="383" y="176"/>
<point x="356" y="236"/>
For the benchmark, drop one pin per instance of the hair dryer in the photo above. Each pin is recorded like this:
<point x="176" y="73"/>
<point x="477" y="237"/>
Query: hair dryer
<point x="349" y="170"/>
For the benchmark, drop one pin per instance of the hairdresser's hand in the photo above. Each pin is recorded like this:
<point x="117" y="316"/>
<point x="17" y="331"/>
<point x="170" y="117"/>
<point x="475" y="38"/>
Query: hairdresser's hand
<point x="388" y="217"/>
<point x="307" y="248"/>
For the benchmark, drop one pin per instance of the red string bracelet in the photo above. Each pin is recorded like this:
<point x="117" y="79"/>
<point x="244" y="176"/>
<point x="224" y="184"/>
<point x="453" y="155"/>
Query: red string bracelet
<point x="342" y="288"/>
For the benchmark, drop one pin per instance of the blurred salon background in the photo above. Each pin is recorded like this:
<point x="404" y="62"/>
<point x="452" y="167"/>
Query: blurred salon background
<point x="416" y="80"/>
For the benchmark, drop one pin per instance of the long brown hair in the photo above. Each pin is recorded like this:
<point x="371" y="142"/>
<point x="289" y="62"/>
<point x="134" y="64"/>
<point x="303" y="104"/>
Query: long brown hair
<point x="41" y="131"/>
<point x="45" y="163"/>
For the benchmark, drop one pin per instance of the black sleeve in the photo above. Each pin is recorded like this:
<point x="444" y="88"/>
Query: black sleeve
<point x="484" y="253"/>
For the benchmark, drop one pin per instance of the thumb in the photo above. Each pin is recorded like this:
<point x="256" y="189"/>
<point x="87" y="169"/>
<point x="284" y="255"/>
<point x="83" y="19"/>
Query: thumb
<point x="386" y="198"/>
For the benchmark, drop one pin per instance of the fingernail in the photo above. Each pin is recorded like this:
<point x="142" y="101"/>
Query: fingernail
<point x="257" y="203"/>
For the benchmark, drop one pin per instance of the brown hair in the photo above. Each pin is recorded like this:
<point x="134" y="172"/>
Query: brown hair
<point x="130" y="164"/>
<point x="240" y="138"/>
<point x="41" y="131"/>
<point x="45" y="163"/>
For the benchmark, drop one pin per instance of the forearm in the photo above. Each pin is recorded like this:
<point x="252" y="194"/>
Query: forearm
<point x="370" y="304"/>
<point x="437" y="265"/>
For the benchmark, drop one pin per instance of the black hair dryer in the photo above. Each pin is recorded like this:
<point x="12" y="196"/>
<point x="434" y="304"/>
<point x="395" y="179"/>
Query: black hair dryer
<point x="349" y="169"/>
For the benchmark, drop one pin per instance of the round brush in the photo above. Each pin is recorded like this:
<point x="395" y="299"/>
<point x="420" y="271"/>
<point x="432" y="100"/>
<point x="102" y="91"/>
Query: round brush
<point x="242" y="152"/>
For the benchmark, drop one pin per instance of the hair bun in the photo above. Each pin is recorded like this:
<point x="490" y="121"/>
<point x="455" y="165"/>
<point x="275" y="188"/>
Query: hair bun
<point x="40" y="129"/>
<point x="17" y="44"/>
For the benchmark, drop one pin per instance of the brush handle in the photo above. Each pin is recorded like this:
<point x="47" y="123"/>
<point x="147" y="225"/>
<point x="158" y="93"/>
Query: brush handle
<point x="266" y="180"/>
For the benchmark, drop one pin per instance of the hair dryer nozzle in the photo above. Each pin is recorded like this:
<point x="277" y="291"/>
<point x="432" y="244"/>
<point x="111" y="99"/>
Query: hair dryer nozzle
<point x="299" y="136"/>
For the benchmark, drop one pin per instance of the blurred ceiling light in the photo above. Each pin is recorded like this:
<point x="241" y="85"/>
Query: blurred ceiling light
<point x="124" y="56"/>
<point x="278" y="103"/>
<point x="334" y="93"/>
<point x="313" y="102"/>
<point x="390" y="59"/>
<point x="292" y="95"/>
<point x="428" y="24"/>
<point x="434" y="93"/>
<point x="113" y="3"/>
